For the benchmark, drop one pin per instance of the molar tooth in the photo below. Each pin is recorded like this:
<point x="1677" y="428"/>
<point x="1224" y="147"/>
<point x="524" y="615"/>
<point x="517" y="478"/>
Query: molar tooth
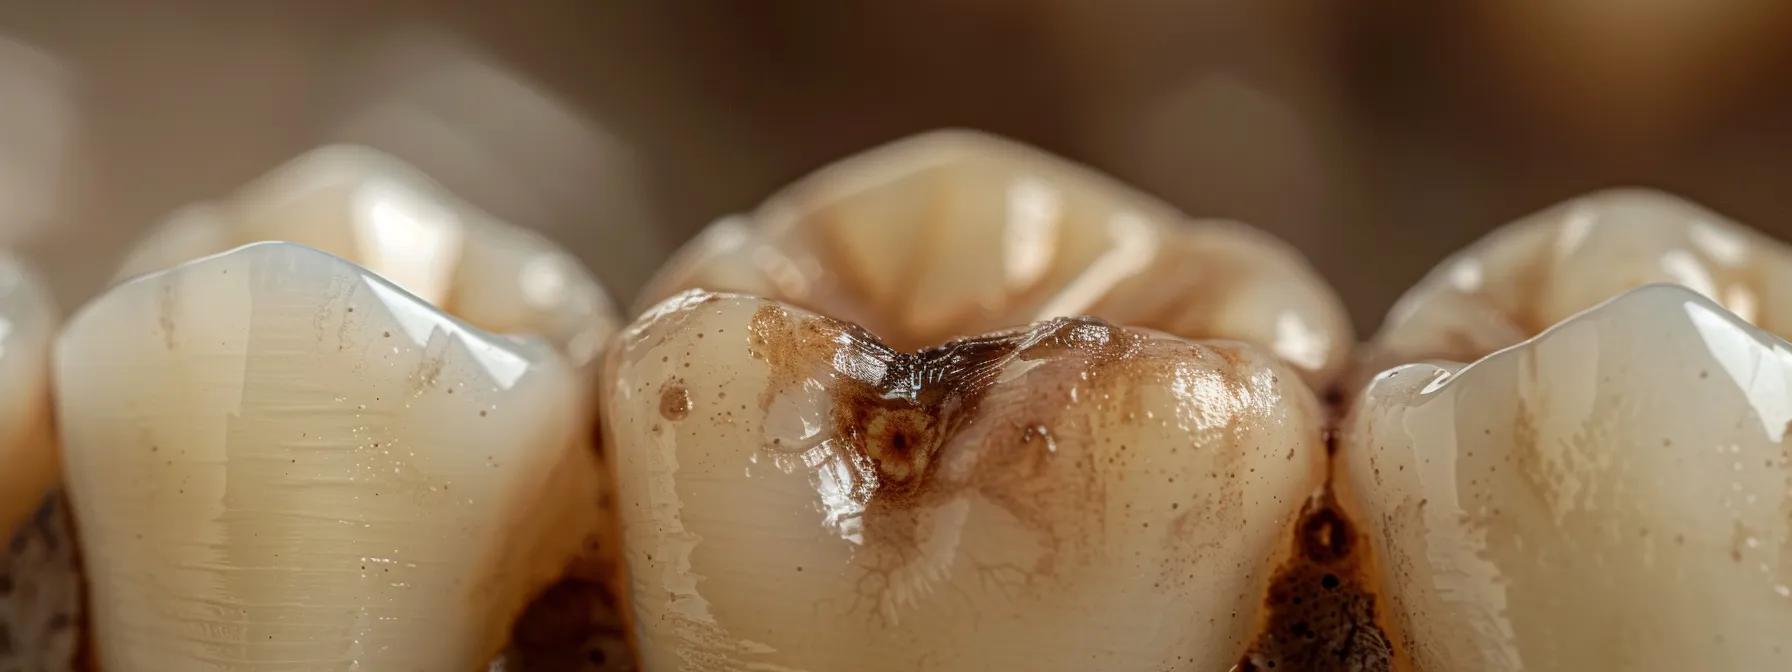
<point x="1545" y="267"/>
<point x="277" y="458"/>
<point x="954" y="233"/>
<point x="796" y="495"/>
<point x="39" y="589"/>
<point x="1615" y="493"/>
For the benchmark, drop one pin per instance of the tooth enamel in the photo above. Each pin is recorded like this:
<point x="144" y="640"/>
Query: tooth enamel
<point x="797" y="496"/>
<point x="1543" y="268"/>
<point x="953" y="234"/>
<point x="376" y="211"/>
<point x="279" y="460"/>
<point x="1614" y="494"/>
<point x="39" y="591"/>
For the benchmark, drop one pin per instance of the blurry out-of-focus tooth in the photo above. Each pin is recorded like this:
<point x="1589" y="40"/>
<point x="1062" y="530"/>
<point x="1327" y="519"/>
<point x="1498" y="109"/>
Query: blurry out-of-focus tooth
<point x="280" y="460"/>
<point x="376" y="211"/>
<point x="28" y="466"/>
<point x="1541" y="269"/>
<point x="1613" y="494"/>
<point x="1070" y="495"/>
<point x="953" y="234"/>
<point x="39" y="590"/>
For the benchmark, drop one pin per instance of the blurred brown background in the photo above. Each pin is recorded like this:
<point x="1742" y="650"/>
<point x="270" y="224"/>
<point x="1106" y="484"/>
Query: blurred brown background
<point x="1377" y="136"/>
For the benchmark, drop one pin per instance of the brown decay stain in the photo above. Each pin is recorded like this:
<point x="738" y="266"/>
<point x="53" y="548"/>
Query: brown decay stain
<point x="50" y="530"/>
<point x="580" y="623"/>
<point x="573" y="626"/>
<point x="1320" y="612"/>
<point x="675" y="401"/>
<point x="897" y="417"/>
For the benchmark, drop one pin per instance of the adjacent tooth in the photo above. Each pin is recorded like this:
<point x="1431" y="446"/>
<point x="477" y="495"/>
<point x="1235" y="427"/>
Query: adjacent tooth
<point x="1613" y="494"/>
<point x="796" y="495"/>
<point x="1548" y="266"/>
<point x="953" y="234"/>
<point x="27" y="448"/>
<point x="279" y="460"/>
<point x="39" y="589"/>
<point x="372" y="209"/>
<point x="376" y="211"/>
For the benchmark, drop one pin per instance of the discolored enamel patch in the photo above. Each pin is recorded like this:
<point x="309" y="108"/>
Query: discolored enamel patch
<point x="895" y="413"/>
<point x="675" y="402"/>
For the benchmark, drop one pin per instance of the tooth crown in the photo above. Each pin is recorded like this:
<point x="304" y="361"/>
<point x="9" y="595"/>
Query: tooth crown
<point x="796" y="495"/>
<point x="952" y="234"/>
<point x="1539" y="270"/>
<point x="375" y="210"/>
<point x="280" y="461"/>
<point x="1615" y="494"/>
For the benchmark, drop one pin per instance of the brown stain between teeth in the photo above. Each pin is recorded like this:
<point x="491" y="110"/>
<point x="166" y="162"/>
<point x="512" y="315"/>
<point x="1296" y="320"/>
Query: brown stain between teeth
<point x="1320" y="612"/>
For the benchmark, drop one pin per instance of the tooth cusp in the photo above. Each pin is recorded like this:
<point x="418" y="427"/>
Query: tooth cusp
<point x="951" y="234"/>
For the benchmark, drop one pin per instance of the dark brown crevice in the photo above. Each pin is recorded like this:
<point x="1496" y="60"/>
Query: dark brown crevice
<point x="1320" y="611"/>
<point x="573" y="627"/>
<point x="580" y="624"/>
<point x="39" y="577"/>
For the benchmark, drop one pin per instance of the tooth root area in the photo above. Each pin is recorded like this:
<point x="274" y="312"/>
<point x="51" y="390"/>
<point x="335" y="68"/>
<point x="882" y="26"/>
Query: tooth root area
<point x="278" y="458"/>
<point x="1615" y="494"/>
<point x="1546" y="267"/>
<point x="952" y="234"/>
<point x="40" y="591"/>
<point x="813" y="500"/>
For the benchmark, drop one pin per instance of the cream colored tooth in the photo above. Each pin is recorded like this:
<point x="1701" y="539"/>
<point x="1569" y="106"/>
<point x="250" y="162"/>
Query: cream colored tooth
<point x="1541" y="269"/>
<point x="378" y="212"/>
<point x="796" y="495"/>
<point x="954" y="233"/>
<point x="1615" y="494"/>
<point x="39" y="590"/>
<point x="279" y="460"/>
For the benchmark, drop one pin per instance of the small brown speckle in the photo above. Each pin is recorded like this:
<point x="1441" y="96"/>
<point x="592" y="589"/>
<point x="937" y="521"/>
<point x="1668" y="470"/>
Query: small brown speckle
<point x="675" y="402"/>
